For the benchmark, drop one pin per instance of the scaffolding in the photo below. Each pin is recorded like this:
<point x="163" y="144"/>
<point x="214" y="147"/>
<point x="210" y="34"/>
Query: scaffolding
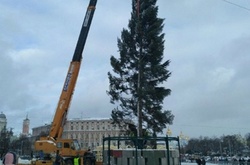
<point x="141" y="150"/>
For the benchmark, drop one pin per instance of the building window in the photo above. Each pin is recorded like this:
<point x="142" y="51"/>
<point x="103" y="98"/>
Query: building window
<point x="59" y="145"/>
<point x="66" y="145"/>
<point x="72" y="127"/>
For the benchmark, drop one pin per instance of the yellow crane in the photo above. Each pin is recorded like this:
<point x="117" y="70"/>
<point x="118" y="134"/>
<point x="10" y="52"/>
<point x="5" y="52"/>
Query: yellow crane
<point x="53" y="143"/>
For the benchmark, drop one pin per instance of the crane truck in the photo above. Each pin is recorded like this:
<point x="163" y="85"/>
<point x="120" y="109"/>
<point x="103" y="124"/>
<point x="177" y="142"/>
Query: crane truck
<point x="53" y="143"/>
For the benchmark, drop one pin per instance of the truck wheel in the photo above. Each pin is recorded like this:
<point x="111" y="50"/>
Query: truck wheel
<point x="69" y="162"/>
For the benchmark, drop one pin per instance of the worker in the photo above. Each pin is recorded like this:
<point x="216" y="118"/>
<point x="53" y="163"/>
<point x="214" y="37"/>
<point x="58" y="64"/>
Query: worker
<point x="41" y="155"/>
<point x="89" y="158"/>
<point x="76" y="160"/>
<point x="58" y="158"/>
<point x="10" y="158"/>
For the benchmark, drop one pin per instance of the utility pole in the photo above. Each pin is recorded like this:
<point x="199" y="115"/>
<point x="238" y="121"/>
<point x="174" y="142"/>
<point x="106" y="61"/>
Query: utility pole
<point x="139" y="107"/>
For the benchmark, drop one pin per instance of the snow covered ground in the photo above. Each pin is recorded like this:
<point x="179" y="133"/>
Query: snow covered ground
<point x="22" y="161"/>
<point x="207" y="163"/>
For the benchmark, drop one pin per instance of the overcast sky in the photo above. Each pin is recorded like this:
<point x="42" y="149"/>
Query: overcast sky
<point x="207" y="41"/>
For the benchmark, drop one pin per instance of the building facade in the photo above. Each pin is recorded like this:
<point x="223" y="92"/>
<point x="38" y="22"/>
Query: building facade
<point x="88" y="132"/>
<point x="3" y="121"/>
<point x="26" y="126"/>
<point x="44" y="130"/>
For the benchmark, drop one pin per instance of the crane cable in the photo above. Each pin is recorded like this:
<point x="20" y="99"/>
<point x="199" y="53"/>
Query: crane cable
<point x="236" y="5"/>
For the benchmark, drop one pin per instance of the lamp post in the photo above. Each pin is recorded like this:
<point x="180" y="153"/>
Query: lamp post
<point x="229" y="146"/>
<point x="21" y="147"/>
<point x="221" y="141"/>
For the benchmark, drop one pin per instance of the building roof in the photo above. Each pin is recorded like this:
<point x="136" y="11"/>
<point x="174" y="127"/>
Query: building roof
<point x="88" y="119"/>
<point x="2" y="116"/>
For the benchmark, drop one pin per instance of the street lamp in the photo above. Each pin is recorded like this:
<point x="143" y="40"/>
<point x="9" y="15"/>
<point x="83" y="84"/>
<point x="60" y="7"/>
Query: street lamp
<point x="221" y="141"/>
<point x="21" y="147"/>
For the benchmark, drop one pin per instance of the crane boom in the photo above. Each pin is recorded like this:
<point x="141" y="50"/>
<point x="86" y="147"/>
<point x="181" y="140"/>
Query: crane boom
<point x="71" y="78"/>
<point x="68" y="148"/>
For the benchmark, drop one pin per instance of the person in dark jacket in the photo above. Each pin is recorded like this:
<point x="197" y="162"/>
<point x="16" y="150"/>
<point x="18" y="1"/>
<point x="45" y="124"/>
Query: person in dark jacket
<point x="198" y="161"/>
<point x="203" y="161"/>
<point x="58" y="158"/>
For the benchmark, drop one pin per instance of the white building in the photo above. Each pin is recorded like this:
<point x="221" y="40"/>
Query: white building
<point x="3" y="121"/>
<point x="88" y="132"/>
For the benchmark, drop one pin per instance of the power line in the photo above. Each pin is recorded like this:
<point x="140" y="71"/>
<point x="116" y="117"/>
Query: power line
<point x="236" y="5"/>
